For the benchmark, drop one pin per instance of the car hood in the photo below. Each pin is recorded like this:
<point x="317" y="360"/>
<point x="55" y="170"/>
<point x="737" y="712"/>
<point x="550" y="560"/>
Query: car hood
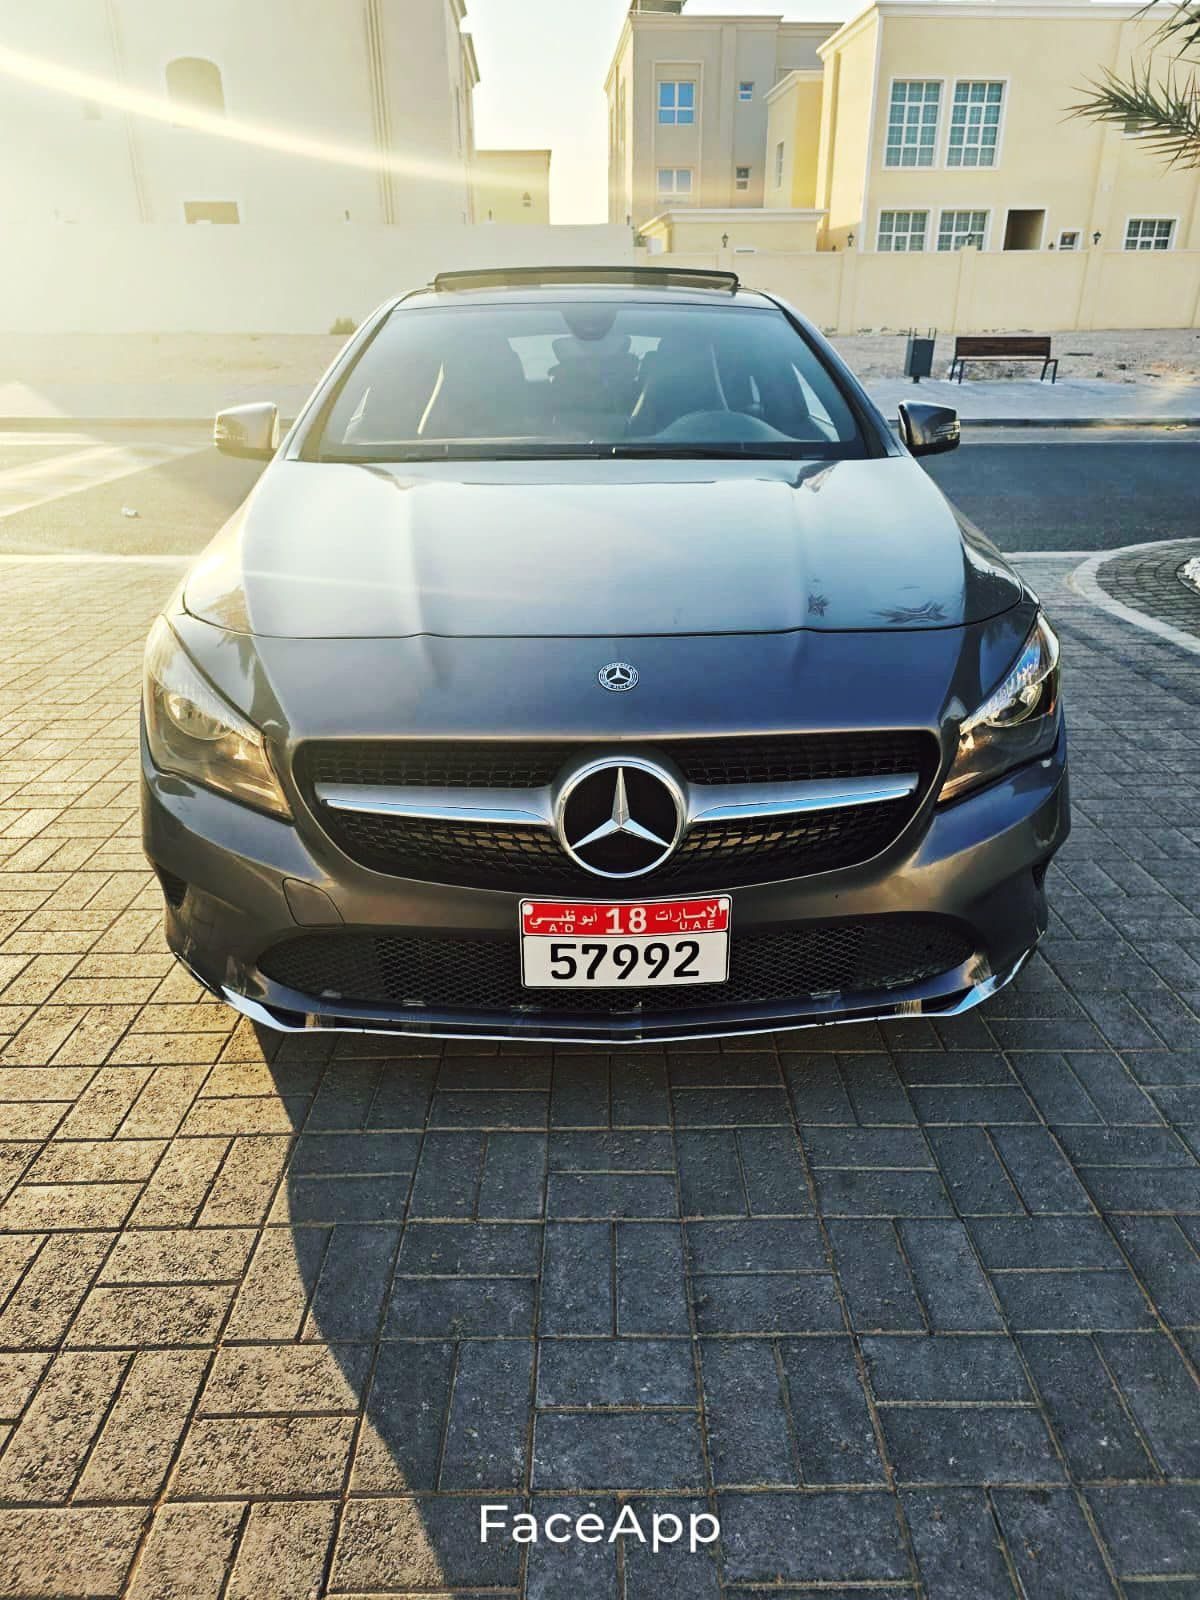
<point x="596" y="549"/>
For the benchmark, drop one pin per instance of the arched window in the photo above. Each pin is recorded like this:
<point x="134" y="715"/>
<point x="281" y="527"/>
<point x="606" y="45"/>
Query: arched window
<point x="196" y="83"/>
<point x="527" y="201"/>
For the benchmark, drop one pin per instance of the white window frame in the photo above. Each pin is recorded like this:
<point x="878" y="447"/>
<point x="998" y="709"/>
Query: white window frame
<point x="744" y="97"/>
<point x="905" y="233"/>
<point x="935" y="148"/>
<point x="675" y="195"/>
<point x="961" y="211"/>
<point x="1137" y="249"/>
<point x="741" y="179"/>
<point x="676" y="115"/>
<point x="998" y="151"/>
<point x="780" y="157"/>
<point x="1078" y="245"/>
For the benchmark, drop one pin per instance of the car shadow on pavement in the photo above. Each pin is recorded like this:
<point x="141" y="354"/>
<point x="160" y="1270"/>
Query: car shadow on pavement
<point x="407" y="1254"/>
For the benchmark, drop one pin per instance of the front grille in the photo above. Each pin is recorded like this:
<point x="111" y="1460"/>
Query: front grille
<point x="530" y="860"/>
<point x="478" y="764"/>
<point x="483" y="975"/>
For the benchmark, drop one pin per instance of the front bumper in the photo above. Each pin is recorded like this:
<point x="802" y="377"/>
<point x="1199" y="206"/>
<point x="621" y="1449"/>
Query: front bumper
<point x="252" y="882"/>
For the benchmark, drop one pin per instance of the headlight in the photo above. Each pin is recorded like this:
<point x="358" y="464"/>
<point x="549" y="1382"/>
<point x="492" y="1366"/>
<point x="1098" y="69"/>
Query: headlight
<point x="1016" y="723"/>
<point x="192" y="731"/>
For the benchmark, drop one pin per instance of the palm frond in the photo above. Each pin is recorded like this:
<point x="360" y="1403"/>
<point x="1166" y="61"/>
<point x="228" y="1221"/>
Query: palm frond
<point x="1183" y="27"/>
<point x="1166" y="112"/>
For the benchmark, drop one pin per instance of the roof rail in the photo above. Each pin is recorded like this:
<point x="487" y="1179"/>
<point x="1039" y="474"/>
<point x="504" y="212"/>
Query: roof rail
<point x="634" y="277"/>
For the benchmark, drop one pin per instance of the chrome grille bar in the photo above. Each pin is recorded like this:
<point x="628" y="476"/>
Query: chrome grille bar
<point x="534" y="808"/>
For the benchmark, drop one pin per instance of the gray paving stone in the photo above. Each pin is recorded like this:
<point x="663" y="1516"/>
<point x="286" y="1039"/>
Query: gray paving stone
<point x="1162" y="1395"/>
<point x="1051" y="1545"/>
<point x="874" y="1277"/>
<point x="400" y="1444"/>
<point x="945" y="1367"/>
<point x="674" y="1573"/>
<point x="616" y="1372"/>
<point x="1084" y="1407"/>
<point x="617" y="1450"/>
<point x="650" y="1292"/>
<point x="573" y="1566"/>
<point x="348" y="1297"/>
<point x="750" y="1439"/>
<point x="762" y="1245"/>
<point x="1151" y="1530"/>
<point x="513" y="1180"/>
<point x="824" y="1536"/>
<point x="958" y="1547"/>
<point x="773" y="1302"/>
<point x="948" y="1278"/>
<point x="486" y="1431"/>
<point x="962" y="1444"/>
<point x="830" y="1417"/>
<point x="1166" y="1261"/>
<point x="1043" y="1242"/>
<point x="460" y="1308"/>
<point x="577" y="1287"/>
<point x="974" y="1173"/>
<point x="773" y="1172"/>
<point x="475" y="1249"/>
<point x="447" y="1177"/>
<point x="880" y="1192"/>
<point x="1041" y="1172"/>
<point x="580" y="1195"/>
<point x="1071" y="1302"/>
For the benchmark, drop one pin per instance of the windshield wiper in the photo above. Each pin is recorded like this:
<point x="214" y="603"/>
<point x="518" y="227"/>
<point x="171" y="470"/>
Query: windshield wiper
<point x="589" y="451"/>
<point x="756" y="451"/>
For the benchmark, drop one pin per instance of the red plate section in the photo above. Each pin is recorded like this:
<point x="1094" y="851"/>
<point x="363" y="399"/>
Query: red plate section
<point x="564" y="919"/>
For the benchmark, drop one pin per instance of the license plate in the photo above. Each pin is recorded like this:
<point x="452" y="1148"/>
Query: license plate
<point x="604" y="944"/>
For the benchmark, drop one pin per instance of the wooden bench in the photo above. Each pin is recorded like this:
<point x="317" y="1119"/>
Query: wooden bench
<point x="1004" y="347"/>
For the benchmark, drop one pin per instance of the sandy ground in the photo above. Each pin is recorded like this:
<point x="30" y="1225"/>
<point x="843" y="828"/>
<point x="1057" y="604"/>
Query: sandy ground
<point x="42" y="361"/>
<point x="1122" y="356"/>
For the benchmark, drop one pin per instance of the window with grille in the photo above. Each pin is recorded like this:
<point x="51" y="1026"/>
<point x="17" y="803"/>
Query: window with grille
<point x="779" y="153"/>
<point x="676" y="102"/>
<point x="674" y="183"/>
<point x="741" y="177"/>
<point x="745" y="91"/>
<point x="902" y="230"/>
<point x="913" y="124"/>
<point x="1150" y="233"/>
<point x="959" y="228"/>
<point x="975" y="124"/>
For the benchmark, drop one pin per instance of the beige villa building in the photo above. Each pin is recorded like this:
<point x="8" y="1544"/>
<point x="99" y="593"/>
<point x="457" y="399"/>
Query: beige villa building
<point x="358" y="112"/>
<point x="917" y="126"/>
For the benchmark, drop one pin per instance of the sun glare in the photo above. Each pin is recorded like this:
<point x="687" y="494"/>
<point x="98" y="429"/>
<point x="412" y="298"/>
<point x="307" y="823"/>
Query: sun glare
<point x="59" y="79"/>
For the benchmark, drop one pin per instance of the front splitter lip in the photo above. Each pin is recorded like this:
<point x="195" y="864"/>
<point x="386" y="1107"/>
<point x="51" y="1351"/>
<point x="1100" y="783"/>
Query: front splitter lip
<point x="946" y="1000"/>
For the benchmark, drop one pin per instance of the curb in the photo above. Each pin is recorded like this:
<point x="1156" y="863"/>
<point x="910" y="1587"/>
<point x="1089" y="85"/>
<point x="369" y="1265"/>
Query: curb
<point x="1084" y="582"/>
<point x="1081" y="422"/>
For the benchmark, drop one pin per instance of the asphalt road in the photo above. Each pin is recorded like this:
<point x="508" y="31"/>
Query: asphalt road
<point x="1035" y="490"/>
<point x="1087" y="490"/>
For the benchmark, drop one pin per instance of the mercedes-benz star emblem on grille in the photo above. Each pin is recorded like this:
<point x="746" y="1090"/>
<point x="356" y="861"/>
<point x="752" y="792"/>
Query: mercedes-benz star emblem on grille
<point x="618" y="676"/>
<point x="620" y="819"/>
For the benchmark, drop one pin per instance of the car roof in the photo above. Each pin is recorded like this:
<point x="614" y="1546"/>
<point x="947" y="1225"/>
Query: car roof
<point x="549" y="284"/>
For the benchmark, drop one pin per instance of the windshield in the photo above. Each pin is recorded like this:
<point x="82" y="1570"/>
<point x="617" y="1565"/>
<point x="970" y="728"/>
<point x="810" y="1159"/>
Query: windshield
<point x="598" y="378"/>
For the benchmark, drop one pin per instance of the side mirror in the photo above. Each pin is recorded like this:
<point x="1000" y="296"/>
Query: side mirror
<point x="251" y="432"/>
<point x="929" y="430"/>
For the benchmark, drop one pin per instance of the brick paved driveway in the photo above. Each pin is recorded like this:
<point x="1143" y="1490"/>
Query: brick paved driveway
<point x="915" y="1310"/>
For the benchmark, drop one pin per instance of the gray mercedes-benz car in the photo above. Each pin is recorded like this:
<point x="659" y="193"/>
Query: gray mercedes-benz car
<point x="592" y="662"/>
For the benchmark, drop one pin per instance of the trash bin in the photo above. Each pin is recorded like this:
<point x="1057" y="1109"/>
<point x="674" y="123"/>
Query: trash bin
<point x="918" y="358"/>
